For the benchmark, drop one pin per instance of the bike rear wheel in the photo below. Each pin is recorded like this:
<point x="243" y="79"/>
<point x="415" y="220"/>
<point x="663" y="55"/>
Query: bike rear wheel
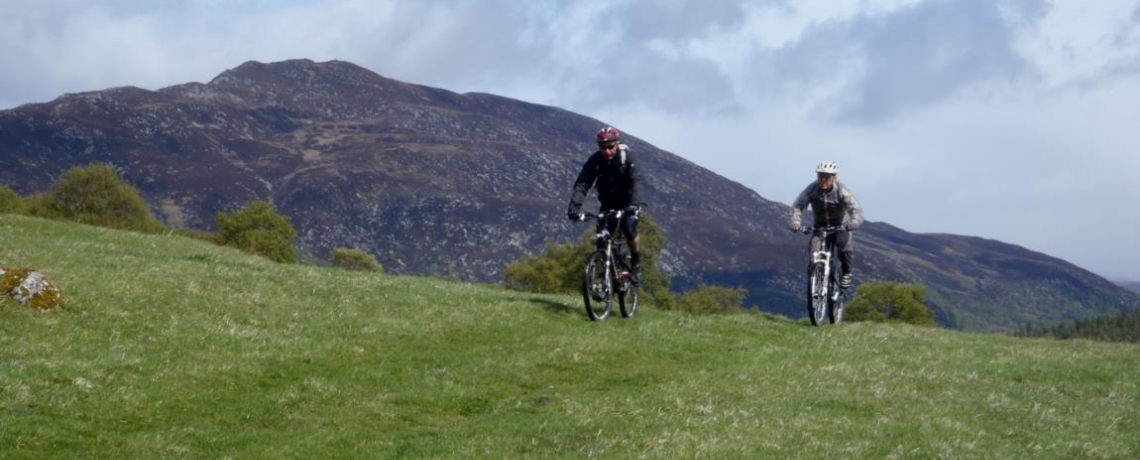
<point x="597" y="289"/>
<point x="817" y="294"/>
<point x="627" y="294"/>
<point x="835" y="301"/>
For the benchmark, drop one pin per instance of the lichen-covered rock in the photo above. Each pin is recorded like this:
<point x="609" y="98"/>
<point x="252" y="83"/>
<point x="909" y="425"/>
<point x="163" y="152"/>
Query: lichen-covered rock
<point x="30" y="288"/>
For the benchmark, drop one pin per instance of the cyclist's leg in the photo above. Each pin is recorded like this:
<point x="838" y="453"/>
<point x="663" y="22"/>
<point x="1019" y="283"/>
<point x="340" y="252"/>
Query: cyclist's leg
<point x="846" y="256"/>
<point x="814" y="244"/>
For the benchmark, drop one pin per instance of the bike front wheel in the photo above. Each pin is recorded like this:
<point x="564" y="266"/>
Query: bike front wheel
<point x="817" y="294"/>
<point x="597" y="290"/>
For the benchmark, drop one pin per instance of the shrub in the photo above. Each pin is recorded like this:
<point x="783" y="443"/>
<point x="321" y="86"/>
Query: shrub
<point x="556" y="271"/>
<point x="259" y="229"/>
<point x="96" y="195"/>
<point x="891" y="302"/>
<point x="559" y="269"/>
<point x="354" y="259"/>
<point x="708" y="300"/>
<point x="10" y="201"/>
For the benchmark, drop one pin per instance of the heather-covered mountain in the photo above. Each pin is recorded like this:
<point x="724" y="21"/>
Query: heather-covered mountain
<point x="438" y="183"/>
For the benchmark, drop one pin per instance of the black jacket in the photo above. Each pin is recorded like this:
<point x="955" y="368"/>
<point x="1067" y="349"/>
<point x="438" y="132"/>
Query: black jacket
<point x="618" y="183"/>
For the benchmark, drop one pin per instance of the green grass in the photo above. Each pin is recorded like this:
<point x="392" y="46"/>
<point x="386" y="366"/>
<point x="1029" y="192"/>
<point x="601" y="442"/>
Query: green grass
<point x="170" y="347"/>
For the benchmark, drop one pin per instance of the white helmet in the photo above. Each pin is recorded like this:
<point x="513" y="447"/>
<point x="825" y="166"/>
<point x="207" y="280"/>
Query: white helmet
<point x="827" y="167"/>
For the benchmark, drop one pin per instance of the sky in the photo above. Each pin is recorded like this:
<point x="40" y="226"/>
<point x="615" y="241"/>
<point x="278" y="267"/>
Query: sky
<point x="1002" y="119"/>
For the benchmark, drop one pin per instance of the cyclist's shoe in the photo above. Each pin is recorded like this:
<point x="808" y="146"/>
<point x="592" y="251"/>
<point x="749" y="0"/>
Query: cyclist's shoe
<point x="636" y="275"/>
<point x="845" y="281"/>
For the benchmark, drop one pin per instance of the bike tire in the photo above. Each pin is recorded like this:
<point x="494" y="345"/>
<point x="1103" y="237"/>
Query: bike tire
<point x="597" y="288"/>
<point x="816" y="296"/>
<point x="628" y="295"/>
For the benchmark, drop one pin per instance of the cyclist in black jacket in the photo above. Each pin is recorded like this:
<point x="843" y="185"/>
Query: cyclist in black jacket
<point x="613" y="171"/>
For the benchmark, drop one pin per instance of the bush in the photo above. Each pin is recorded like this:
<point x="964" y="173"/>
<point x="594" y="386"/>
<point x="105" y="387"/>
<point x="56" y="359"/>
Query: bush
<point x="556" y="271"/>
<point x="354" y="259"/>
<point x="559" y="269"/>
<point x="710" y="300"/>
<point x="656" y="288"/>
<point x="96" y="195"/>
<point x="259" y="229"/>
<point x="10" y="201"/>
<point x="891" y="302"/>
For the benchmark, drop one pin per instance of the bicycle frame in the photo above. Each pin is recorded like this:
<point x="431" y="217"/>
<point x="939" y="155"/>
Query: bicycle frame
<point x="824" y="294"/>
<point x="598" y="290"/>
<point x="823" y="256"/>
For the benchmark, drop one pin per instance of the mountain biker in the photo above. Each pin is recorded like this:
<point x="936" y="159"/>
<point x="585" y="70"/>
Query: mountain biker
<point x="833" y="205"/>
<point x="613" y="170"/>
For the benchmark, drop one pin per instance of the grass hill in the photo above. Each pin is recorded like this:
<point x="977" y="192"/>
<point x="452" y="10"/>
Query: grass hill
<point x="174" y="348"/>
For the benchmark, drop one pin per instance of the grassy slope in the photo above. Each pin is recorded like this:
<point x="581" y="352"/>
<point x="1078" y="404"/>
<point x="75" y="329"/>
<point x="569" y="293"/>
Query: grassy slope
<point x="173" y="348"/>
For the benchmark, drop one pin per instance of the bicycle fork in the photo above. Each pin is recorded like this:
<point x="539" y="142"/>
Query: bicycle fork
<point x="823" y="258"/>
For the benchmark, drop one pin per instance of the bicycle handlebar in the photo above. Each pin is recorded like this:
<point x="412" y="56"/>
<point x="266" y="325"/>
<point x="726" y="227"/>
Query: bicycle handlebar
<point x="617" y="213"/>
<point x="810" y="230"/>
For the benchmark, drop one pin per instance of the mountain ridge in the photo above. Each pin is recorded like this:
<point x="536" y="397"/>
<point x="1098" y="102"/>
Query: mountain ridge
<point x="440" y="183"/>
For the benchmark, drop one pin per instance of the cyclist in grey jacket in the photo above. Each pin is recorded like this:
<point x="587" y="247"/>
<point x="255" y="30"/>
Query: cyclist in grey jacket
<point x="833" y="205"/>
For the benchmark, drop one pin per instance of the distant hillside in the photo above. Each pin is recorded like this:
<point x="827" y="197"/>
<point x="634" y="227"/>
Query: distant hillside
<point x="438" y="183"/>
<point x="1133" y="286"/>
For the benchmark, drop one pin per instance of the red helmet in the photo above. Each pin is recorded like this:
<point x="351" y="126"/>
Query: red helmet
<point x="608" y="134"/>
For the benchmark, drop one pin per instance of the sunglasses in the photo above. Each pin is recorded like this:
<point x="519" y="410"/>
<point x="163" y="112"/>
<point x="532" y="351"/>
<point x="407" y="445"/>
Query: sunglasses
<point x="826" y="176"/>
<point x="607" y="146"/>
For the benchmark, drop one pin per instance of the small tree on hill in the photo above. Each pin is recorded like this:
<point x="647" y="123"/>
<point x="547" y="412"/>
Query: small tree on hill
<point x="354" y="259"/>
<point x="712" y="299"/>
<point x="891" y="302"/>
<point x="10" y="201"/>
<point x="259" y="229"/>
<point x="96" y="195"/>
<point x="556" y="271"/>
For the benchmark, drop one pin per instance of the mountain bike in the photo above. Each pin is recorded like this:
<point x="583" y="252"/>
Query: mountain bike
<point x="608" y="271"/>
<point x="824" y="295"/>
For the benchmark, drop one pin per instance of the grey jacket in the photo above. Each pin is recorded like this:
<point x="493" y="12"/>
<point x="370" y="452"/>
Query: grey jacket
<point x="831" y="208"/>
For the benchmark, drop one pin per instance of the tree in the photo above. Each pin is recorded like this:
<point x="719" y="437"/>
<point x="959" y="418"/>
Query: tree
<point x="259" y="229"/>
<point x="558" y="270"/>
<point x="96" y="195"/>
<point x="891" y="302"/>
<point x="10" y="201"/>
